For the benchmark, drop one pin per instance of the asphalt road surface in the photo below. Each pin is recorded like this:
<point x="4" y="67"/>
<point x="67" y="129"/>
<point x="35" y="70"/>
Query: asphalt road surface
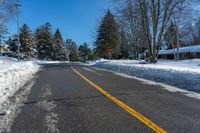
<point x="70" y="98"/>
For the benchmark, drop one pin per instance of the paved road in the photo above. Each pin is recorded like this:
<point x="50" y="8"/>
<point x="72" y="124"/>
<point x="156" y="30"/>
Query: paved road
<point x="86" y="100"/>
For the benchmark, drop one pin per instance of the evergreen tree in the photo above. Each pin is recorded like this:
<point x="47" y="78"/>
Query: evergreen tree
<point x="85" y="52"/>
<point x="73" y="50"/>
<point x="26" y="40"/>
<point x="108" y="37"/>
<point x="172" y="39"/>
<point x="170" y="36"/>
<point x="59" y="51"/>
<point x="44" y="42"/>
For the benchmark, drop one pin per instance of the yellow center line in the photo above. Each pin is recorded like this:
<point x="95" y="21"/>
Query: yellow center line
<point x="130" y="110"/>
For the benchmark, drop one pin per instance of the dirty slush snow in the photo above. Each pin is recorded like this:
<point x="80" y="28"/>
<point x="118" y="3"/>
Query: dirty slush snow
<point x="14" y="77"/>
<point x="51" y="117"/>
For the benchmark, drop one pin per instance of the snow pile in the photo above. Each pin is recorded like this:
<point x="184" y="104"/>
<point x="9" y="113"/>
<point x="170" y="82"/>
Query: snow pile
<point x="183" y="74"/>
<point x="89" y="63"/>
<point x="14" y="75"/>
<point x="6" y="61"/>
<point x="191" y="66"/>
<point x="164" y="86"/>
<point x="42" y="62"/>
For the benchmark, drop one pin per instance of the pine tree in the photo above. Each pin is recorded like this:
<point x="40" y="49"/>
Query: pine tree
<point x="85" y="52"/>
<point x="108" y="37"/>
<point x="59" y="51"/>
<point x="170" y="36"/>
<point x="73" y="50"/>
<point x="26" y="41"/>
<point x="44" y="42"/>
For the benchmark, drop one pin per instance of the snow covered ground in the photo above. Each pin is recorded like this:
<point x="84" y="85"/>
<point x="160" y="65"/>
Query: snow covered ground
<point x="184" y="74"/>
<point x="41" y="62"/>
<point x="190" y="66"/>
<point x="14" y="75"/>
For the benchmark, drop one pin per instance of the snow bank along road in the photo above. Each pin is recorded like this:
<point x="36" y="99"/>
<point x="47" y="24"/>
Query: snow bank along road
<point x="183" y="74"/>
<point x="13" y="78"/>
<point x="70" y="98"/>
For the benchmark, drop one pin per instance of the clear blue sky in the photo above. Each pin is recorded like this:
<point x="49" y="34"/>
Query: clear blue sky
<point x="77" y="19"/>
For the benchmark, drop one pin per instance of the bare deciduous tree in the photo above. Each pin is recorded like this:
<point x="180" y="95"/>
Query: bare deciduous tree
<point x="154" y="17"/>
<point x="130" y="21"/>
<point x="7" y="10"/>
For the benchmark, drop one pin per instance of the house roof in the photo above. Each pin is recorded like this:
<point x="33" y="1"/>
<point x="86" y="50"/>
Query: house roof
<point x="189" y="49"/>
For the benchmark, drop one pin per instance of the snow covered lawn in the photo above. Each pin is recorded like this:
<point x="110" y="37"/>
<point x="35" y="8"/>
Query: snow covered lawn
<point x="14" y="75"/>
<point x="184" y="74"/>
<point x="191" y="66"/>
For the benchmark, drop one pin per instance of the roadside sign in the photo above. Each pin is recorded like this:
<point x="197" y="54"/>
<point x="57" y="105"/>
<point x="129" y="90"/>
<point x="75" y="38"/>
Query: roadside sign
<point x="109" y="50"/>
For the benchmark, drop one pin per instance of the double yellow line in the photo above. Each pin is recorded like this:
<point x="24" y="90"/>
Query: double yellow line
<point x="130" y="110"/>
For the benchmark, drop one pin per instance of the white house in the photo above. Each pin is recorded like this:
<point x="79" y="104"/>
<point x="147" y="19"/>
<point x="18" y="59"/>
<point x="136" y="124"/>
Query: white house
<point x="189" y="52"/>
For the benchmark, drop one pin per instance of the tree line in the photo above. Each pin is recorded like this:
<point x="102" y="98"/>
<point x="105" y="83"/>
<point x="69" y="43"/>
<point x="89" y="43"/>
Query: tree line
<point x="147" y="26"/>
<point x="44" y="44"/>
<point x="132" y="29"/>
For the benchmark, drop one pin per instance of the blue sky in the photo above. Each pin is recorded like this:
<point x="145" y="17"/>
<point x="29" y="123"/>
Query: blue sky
<point x="77" y="19"/>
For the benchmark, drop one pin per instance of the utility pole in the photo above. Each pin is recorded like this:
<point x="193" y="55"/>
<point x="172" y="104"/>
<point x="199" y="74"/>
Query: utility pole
<point x="18" y="29"/>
